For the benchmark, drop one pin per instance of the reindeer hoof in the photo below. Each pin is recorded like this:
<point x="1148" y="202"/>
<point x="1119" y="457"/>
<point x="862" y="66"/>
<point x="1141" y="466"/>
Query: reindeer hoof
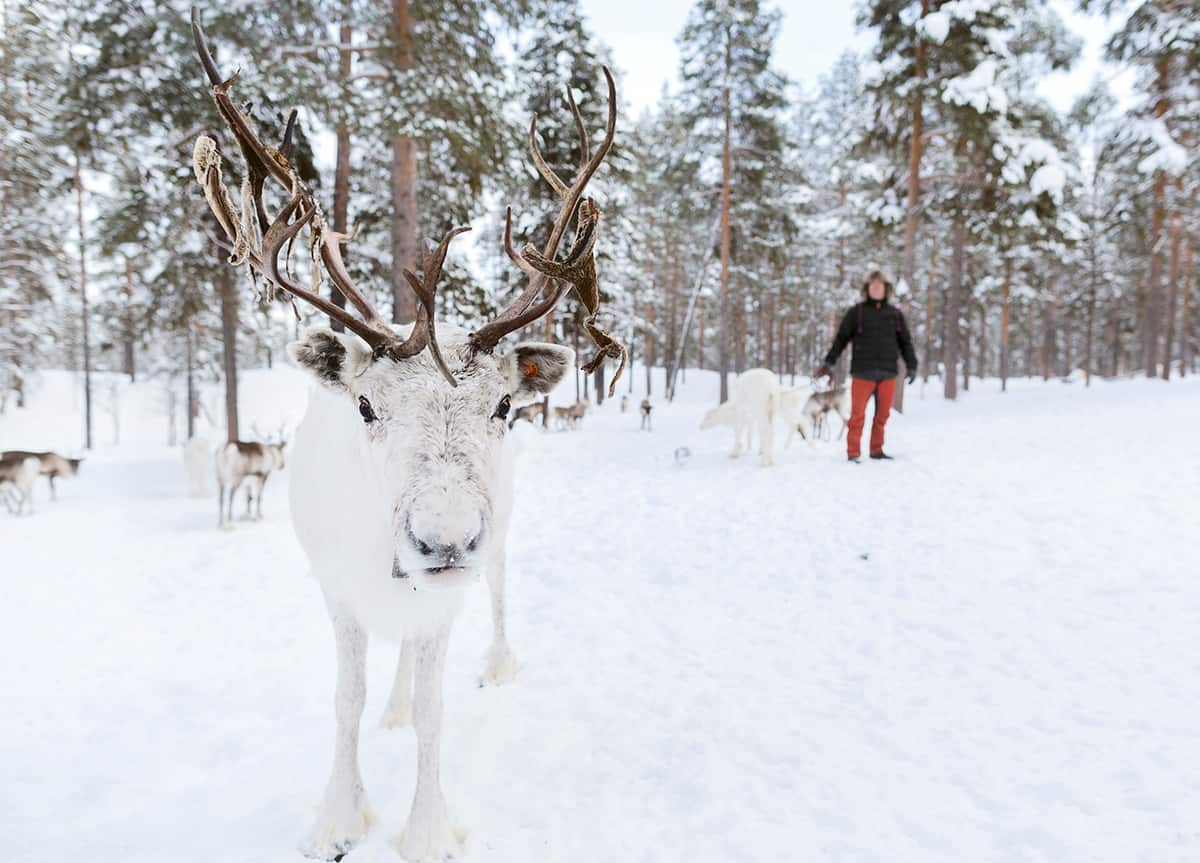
<point x="437" y="844"/>
<point x="396" y="716"/>
<point x="501" y="668"/>
<point x="340" y="827"/>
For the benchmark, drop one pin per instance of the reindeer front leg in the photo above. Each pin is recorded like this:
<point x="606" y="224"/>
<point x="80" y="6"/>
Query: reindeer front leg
<point x="501" y="665"/>
<point x="344" y="815"/>
<point x="399" y="710"/>
<point x="429" y="836"/>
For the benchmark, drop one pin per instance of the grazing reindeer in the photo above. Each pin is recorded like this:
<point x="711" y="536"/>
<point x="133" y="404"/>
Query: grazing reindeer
<point x="402" y="486"/>
<point x="19" y="471"/>
<point x="50" y="464"/>
<point x="238" y="460"/>
<point x="624" y="404"/>
<point x="646" y="409"/>
<point x="566" y="418"/>
<point x="529" y="413"/>
<point x="750" y="411"/>
<point x="808" y="415"/>
<point x="562" y="418"/>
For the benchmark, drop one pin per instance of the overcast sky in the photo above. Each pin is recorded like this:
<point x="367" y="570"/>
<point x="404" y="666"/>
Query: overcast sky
<point x="641" y="34"/>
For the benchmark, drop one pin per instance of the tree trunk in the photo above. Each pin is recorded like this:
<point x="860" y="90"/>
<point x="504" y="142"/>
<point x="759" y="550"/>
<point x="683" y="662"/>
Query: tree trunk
<point x="1153" y="289"/>
<point x="189" y="352"/>
<point x="1005" y="314"/>
<point x="981" y="365"/>
<point x="1185" y="343"/>
<point x="1091" y="314"/>
<point x="650" y="321"/>
<point x="1172" y="288"/>
<point x="341" y="176"/>
<point x="726" y="177"/>
<point x="929" y="311"/>
<point x="404" y="186"/>
<point x="908" y="263"/>
<point x="599" y="382"/>
<point x="129" y="336"/>
<point x="950" y="313"/>
<point x="83" y="300"/>
<point x="227" y="284"/>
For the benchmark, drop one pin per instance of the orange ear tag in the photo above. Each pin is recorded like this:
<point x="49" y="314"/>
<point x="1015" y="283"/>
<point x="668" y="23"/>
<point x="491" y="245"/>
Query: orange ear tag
<point x="530" y="370"/>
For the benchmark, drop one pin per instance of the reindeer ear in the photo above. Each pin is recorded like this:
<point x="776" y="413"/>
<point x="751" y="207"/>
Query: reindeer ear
<point x="331" y="358"/>
<point x="535" y="368"/>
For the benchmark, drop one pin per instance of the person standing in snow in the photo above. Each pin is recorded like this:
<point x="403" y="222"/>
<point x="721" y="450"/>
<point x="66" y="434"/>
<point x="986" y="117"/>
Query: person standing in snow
<point x="880" y="335"/>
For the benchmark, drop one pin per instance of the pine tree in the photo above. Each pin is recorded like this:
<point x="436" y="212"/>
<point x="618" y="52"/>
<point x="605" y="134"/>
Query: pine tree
<point x="734" y="98"/>
<point x="33" y="263"/>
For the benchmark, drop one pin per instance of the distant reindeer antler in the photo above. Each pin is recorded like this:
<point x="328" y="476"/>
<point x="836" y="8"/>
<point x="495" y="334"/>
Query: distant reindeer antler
<point x="548" y="275"/>
<point x="258" y="239"/>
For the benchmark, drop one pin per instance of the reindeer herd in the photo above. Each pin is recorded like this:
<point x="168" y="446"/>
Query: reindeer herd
<point x="758" y="398"/>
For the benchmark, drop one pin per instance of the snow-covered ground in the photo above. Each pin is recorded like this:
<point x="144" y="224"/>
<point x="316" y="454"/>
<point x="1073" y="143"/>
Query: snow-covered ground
<point x="983" y="651"/>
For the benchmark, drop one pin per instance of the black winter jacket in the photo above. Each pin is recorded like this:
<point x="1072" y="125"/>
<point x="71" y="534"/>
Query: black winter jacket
<point x="880" y="334"/>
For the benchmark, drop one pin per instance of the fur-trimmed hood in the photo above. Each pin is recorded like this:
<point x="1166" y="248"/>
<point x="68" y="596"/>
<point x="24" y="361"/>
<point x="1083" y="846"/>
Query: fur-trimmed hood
<point x="889" y="289"/>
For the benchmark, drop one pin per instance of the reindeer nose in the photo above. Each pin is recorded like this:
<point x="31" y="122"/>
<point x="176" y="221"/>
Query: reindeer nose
<point x="443" y="548"/>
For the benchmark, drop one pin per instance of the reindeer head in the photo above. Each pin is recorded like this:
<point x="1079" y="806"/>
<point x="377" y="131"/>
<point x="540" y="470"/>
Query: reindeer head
<point x="429" y="406"/>
<point x="432" y="451"/>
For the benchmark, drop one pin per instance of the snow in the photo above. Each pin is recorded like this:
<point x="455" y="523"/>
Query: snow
<point x="982" y="651"/>
<point x="1167" y="155"/>
<point x="935" y="27"/>
<point x="978" y="89"/>
<point x="1049" y="179"/>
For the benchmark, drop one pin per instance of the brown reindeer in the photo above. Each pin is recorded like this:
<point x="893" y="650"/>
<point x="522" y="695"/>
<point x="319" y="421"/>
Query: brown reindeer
<point x="646" y="409"/>
<point x="237" y="461"/>
<point x="50" y="464"/>
<point x="529" y="413"/>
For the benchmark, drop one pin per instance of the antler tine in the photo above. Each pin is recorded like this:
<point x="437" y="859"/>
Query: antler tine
<point x="301" y="211"/>
<point x="286" y="146"/>
<point x="206" y="58"/>
<point x="572" y="195"/>
<point x="559" y="187"/>
<point x="512" y="253"/>
<point x="580" y="129"/>
<point x="424" y="332"/>
<point x="335" y="265"/>
<point x="579" y="269"/>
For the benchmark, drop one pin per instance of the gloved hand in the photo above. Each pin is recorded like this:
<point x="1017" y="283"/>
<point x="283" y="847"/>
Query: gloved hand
<point x="823" y="371"/>
<point x="912" y="374"/>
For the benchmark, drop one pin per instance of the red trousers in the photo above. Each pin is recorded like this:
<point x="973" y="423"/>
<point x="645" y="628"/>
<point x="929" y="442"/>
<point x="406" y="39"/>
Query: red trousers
<point x="860" y="391"/>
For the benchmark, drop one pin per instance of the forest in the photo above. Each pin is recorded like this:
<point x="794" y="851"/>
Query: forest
<point x="740" y="212"/>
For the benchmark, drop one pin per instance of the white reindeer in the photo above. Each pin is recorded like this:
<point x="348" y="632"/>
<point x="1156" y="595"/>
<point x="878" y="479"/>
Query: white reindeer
<point x="749" y="411"/>
<point x="402" y="483"/>
<point x="196" y="462"/>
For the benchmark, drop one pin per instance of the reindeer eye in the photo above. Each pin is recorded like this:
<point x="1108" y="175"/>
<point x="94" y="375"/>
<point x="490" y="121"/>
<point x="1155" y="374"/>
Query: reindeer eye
<point x="364" y="408"/>
<point x="502" y="409"/>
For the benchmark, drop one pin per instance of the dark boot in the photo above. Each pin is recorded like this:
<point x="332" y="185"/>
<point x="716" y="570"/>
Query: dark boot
<point x="881" y="455"/>
<point x="853" y="458"/>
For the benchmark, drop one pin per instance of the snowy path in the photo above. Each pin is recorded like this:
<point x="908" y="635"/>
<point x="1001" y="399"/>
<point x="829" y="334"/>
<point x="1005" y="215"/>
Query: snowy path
<point x="985" y="651"/>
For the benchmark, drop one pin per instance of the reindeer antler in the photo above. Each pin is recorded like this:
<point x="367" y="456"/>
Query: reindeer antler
<point x="257" y="239"/>
<point x="548" y="275"/>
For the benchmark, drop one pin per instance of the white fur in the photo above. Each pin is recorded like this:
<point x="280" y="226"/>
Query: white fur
<point x="432" y="468"/>
<point x="195" y="459"/>
<point x="20" y="475"/>
<point x="750" y="411"/>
